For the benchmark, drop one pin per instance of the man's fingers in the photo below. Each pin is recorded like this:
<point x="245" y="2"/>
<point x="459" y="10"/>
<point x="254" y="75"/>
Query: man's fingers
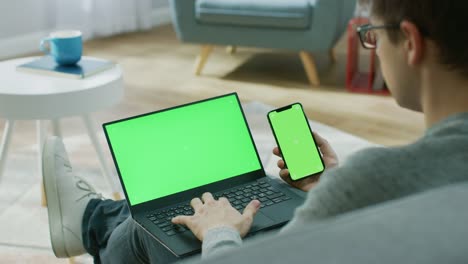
<point x="224" y="200"/>
<point x="319" y="139"/>
<point x="207" y="197"/>
<point x="251" y="209"/>
<point x="277" y="152"/>
<point x="281" y="164"/>
<point x="284" y="174"/>
<point x="196" y="204"/>
<point x="181" y="220"/>
<point x="323" y="144"/>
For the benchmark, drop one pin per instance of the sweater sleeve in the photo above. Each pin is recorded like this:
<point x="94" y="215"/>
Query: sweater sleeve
<point x="218" y="240"/>
<point x="352" y="186"/>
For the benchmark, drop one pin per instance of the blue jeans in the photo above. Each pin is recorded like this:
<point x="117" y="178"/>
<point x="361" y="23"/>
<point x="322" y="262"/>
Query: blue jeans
<point x="111" y="236"/>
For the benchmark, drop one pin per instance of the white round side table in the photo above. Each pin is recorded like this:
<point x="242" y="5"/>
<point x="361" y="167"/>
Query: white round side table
<point x="30" y="96"/>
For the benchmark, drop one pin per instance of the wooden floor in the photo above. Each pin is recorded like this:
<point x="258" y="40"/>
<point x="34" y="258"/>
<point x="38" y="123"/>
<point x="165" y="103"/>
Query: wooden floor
<point x="158" y="72"/>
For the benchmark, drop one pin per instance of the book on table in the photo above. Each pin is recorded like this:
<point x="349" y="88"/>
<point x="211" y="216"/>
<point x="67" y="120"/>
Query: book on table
<point x="84" y="68"/>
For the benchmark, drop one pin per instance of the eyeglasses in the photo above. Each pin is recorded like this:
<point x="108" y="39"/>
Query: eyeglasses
<point x="367" y="35"/>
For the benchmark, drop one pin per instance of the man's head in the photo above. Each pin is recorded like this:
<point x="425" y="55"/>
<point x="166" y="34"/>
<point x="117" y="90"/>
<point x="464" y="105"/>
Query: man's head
<point x="430" y="37"/>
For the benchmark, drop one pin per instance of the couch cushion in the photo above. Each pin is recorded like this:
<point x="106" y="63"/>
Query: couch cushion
<point x="294" y="14"/>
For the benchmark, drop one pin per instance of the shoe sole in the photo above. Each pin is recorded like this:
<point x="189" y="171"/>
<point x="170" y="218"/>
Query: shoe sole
<point x="54" y="212"/>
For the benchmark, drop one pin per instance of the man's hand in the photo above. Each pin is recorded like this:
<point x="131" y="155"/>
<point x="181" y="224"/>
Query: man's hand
<point x="211" y="213"/>
<point x="329" y="158"/>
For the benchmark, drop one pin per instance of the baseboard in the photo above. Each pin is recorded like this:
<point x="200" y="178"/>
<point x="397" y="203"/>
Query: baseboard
<point x="161" y="16"/>
<point x="20" y="45"/>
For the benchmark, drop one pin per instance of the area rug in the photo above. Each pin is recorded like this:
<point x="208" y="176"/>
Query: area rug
<point x="24" y="234"/>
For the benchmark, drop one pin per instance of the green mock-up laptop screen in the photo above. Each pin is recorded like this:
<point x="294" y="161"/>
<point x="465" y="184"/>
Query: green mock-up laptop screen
<point x="167" y="152"/>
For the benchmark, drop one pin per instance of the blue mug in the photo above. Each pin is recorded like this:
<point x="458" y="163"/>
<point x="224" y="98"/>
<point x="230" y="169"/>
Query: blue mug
<point x="64" y="46"/>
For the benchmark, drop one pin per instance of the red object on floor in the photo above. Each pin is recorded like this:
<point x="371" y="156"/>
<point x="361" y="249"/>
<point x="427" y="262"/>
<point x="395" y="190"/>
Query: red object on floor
<point x="356" y="81"/>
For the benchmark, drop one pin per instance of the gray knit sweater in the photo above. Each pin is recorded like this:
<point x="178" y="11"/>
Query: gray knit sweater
<point x="374" y="176"/>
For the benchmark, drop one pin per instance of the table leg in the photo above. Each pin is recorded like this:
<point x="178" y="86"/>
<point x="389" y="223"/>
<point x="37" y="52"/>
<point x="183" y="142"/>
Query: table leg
<point x="89" y="122"/>
<point x="5" y="144"/>
<point x="41" y="133"/>
<point x="56" y="128"/>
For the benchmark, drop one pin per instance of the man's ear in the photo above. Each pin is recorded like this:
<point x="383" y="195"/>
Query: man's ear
<point x="413" y="42"/>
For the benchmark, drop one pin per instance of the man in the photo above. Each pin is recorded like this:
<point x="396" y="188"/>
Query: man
<point x="425" y="64"/>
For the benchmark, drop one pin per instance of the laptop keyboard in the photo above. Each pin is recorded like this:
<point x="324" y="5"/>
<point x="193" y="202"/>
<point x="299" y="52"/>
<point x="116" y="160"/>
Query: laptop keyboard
<point x="239" y="197"/>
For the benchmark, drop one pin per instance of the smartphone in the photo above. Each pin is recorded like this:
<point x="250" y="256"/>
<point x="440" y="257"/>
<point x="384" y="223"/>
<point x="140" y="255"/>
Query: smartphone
<point x="296" y="141"/>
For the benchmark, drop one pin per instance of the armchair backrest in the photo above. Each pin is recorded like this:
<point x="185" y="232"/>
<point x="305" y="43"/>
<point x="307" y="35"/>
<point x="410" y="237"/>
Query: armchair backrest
<point x="333" y="17"/>
<point x="328" y="23"/>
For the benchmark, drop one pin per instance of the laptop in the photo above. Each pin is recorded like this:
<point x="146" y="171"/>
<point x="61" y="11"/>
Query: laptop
<point x="166" y="158"/>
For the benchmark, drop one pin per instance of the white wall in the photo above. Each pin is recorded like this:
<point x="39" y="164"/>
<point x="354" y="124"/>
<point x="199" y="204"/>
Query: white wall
<point x="24" y="22"/>
<point x="22" y="17"/>
<point x="161" y="12"/>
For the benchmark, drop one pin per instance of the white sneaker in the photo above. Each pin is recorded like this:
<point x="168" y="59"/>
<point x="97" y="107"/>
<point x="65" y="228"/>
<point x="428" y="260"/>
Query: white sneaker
<point x="67" y="197"/>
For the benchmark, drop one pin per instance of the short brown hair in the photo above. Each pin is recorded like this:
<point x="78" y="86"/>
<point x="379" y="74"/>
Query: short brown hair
<point x="443" y="21"/>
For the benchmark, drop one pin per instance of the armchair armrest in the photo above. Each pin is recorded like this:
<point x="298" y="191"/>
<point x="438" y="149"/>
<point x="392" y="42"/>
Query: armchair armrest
<point x="183" y="16"/>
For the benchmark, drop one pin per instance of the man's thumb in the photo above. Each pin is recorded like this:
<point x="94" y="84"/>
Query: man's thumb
<point x="251" y="209"/>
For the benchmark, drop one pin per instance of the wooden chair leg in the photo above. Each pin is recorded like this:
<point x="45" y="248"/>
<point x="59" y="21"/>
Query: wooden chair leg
<point x="231" y="49"/>
<point x="310" y="68"/>
<point x="43" y="196"/>
<point x="333" y="56"/>
<point x="5" y="144"/>
<point x="202" y="58"/>
<point x="41" y="134"/>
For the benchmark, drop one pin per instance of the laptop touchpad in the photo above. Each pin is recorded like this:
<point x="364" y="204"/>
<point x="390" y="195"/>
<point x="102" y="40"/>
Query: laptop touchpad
<point x="261" y="221"/>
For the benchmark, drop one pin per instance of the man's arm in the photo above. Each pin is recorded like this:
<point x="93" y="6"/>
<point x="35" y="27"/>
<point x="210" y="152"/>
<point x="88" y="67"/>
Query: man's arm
<point x="367" y="178"/>
<point x="356" y="184"/>
<point x="218" y="240"/>
<point x="360" y="182"/>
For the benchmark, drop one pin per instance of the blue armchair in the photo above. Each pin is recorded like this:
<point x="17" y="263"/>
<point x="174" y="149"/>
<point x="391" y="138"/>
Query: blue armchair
<point x="304" y="26"/>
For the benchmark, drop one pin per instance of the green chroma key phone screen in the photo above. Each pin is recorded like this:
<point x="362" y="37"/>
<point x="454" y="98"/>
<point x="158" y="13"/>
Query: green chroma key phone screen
<point x="296" y="142"/>
<point x="179" y="149"/>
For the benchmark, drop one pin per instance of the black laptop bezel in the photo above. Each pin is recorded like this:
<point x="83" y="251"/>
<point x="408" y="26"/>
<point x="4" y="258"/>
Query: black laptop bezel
<point x="195" y="192"/>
